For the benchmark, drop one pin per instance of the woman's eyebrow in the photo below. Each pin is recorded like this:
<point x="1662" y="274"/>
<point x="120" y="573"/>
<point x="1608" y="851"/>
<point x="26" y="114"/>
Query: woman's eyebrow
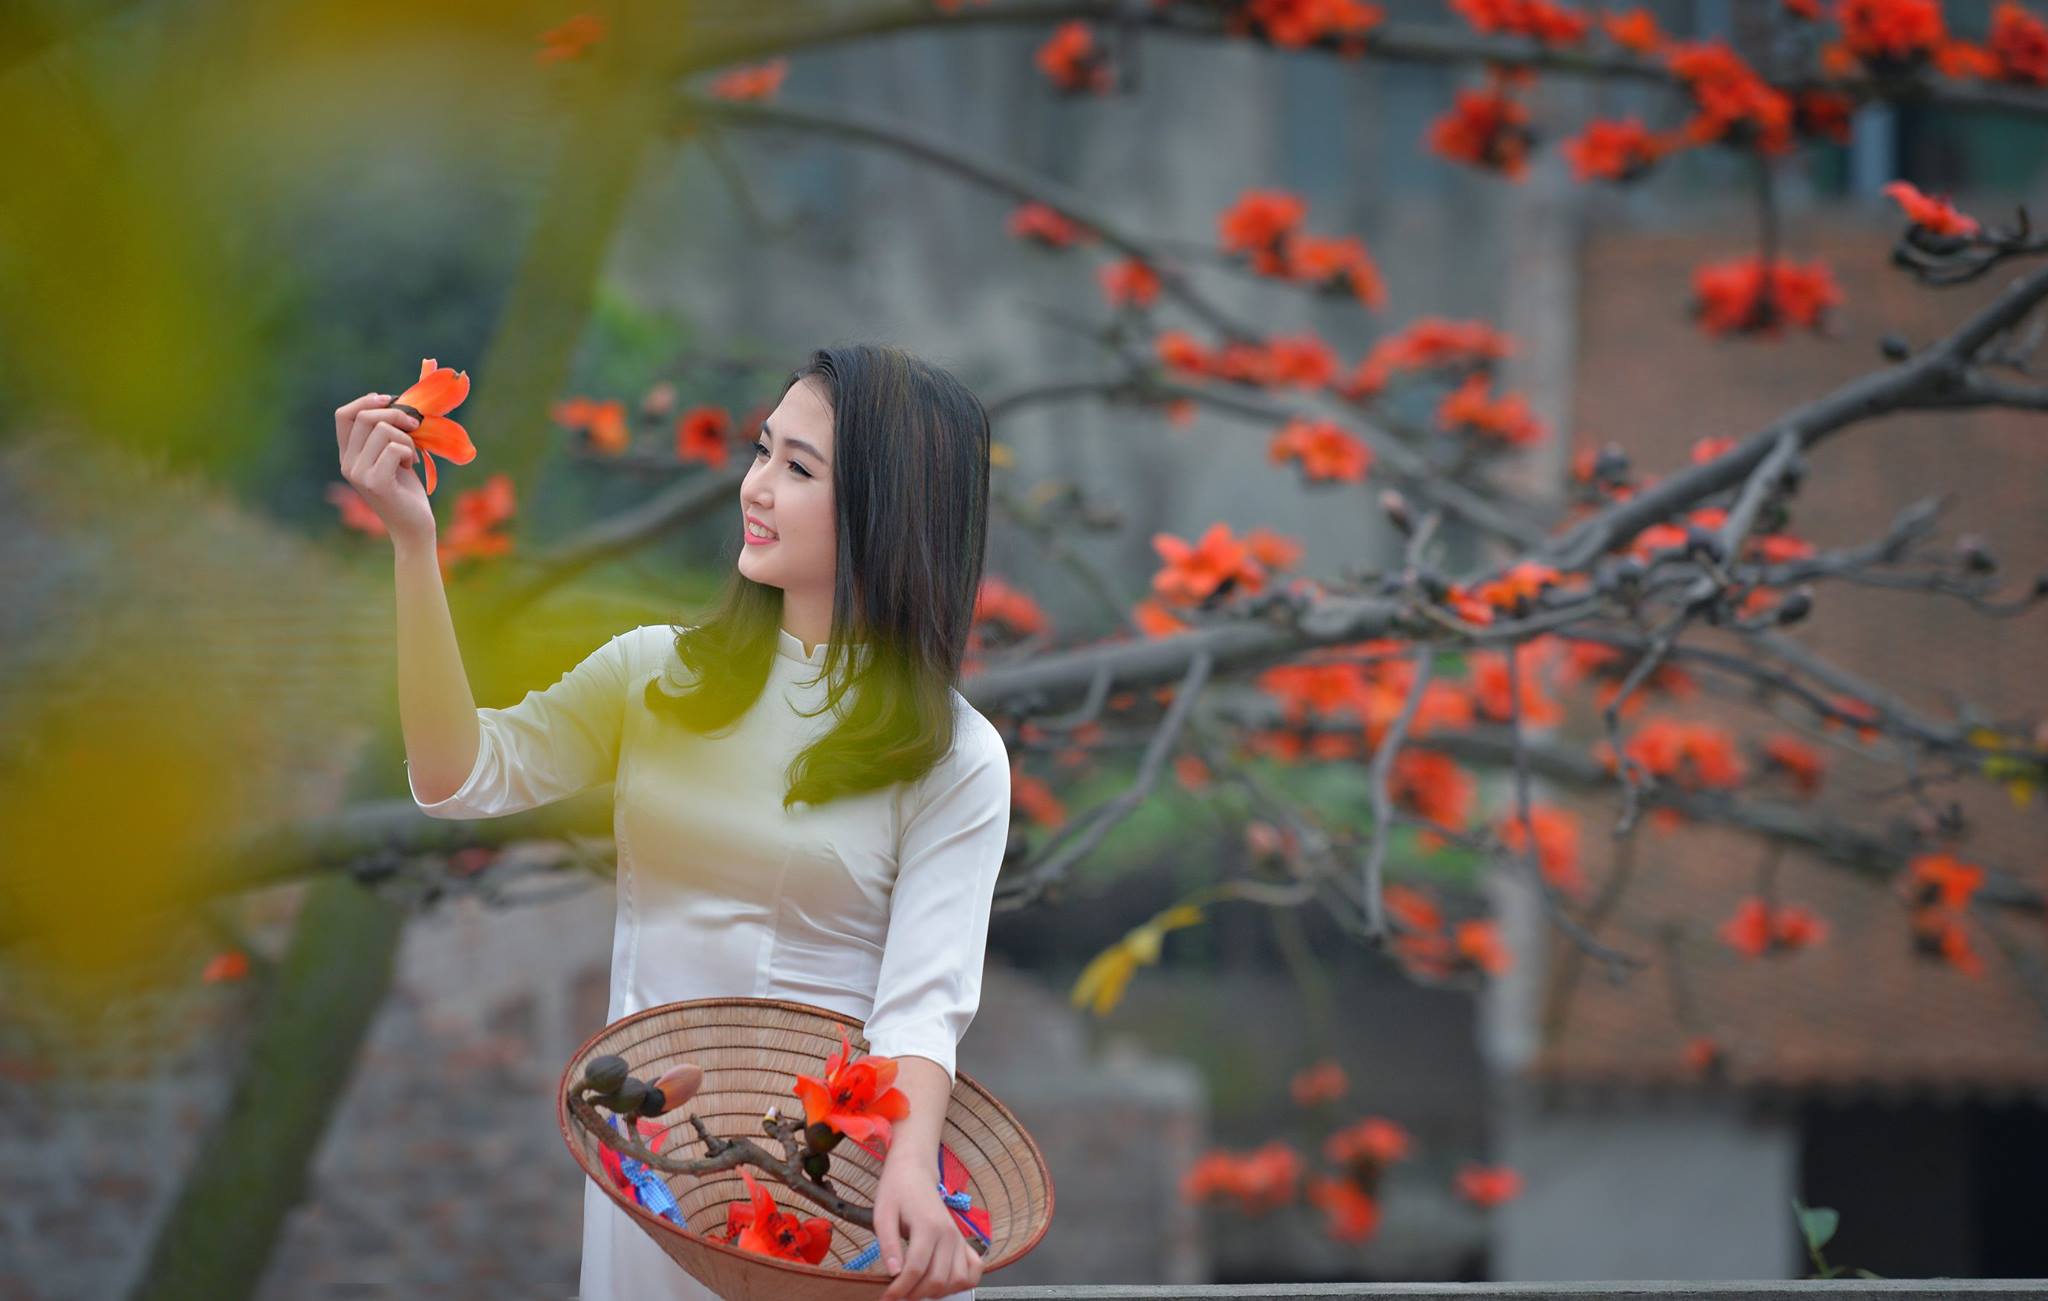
<point x="797" y="443"/>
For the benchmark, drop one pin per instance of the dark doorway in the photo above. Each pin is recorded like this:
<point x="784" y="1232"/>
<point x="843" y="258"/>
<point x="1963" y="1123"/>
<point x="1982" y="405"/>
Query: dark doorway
<point x="1929" y="1191"/>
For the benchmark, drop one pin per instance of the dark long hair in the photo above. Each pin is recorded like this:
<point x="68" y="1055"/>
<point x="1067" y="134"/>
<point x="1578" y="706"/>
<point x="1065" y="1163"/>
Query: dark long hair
<point x="910" y="481"/>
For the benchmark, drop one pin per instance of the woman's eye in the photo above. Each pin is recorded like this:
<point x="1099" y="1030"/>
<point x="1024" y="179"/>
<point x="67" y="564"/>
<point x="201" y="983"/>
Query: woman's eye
<point x="761" y="449"/>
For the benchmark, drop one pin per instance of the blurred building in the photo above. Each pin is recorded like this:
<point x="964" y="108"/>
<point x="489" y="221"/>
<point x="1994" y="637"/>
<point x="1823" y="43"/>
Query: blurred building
<point x="1858" y="1074"/>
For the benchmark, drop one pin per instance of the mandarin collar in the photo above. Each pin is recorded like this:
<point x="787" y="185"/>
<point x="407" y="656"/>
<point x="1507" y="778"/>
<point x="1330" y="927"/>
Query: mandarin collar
<point x="791" y="647"/>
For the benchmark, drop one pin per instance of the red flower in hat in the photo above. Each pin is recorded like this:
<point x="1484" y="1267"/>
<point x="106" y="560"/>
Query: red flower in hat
<point x="857" y="1098"/>
<point x="758" y="1226"/>
<point x="651" y="1134"/>
<point x="974" y="1221"/>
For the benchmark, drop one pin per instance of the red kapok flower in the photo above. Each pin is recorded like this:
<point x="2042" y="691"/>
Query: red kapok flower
<point x="1616" y="150"/>
<point x="1323" y="1082"/>
<point x="438" y="391"/>
<point x="1351" y="1213"/>
<point x="1046" y="225"/>
<point x="603" y="422"/>
<point x="704" y="434"/>
<point x="1260" y="1180"/>
<point x="1634" y="30"/>
<point x="1010" y="606"/>
<point x="1506" y="420"/>
<point x="2018" y="44"/>
<point x="1930" y="212"/>
<point x="1297" y="23"/>
<point x="1557" y="844"/>
<point x="1195" y="570"/>
<point x="355" y="512"/>
<point x="856" y="1098"/>
<point x="1942" y="879"/>
<point x="1131" y="281"/>
<point x="570" y="39"/>
<point x="759" y="1227"/>
<point x="1325" y="450"/>
<point x="1891" y="31"/>
<point x="1738" y="296"/>
<point x="1755" y="929"/>
<point x="1072" y="60"/>
<point x="478" y="512"/>
<point x="1258" y="225"/>
<point x="1488" y="1185"/>
<point x="1797" y="760"/>
<point x="229" y="965"/>
<point x="757" y="82"/>
<point x="1478" y="942"/>
<point x="1036" y="800"/>
<point x="1487" y="129"/>
<point x="1374" y="1140"/>
<point x="1703" y="1054"/>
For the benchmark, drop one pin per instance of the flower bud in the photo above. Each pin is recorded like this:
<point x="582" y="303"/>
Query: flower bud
<point x="659" y="399"/>
<point x="678" y="1085"/>
<point x="1976" y="554"/>
<point x="1396" y="507"/>
<point x="629" y="1096"/>
<point x="1262" y="839"/>
<point x="605" y="1074"/>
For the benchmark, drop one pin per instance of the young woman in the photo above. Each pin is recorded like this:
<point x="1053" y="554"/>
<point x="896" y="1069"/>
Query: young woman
<point x="806" y="806"/>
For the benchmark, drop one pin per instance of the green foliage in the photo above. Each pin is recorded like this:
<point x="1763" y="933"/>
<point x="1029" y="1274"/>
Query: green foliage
<point x="627" y="347"/>
<point x="1817" y="1224"/>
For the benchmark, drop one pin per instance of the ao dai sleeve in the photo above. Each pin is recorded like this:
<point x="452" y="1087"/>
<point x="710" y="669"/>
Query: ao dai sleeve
<point x="949" y="853"/>
<point x="550" y="745"/>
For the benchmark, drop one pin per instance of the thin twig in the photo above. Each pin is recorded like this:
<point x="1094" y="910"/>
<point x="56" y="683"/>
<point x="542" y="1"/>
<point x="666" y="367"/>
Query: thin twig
<point x="1617" y="961"/>
<point x="1379" y="778"/>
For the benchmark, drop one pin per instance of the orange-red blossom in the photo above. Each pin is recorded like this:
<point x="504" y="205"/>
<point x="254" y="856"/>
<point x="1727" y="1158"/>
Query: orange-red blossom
<point x="438" y="391"/>
<point x="758" y="1226"/>
<point x="1260" y="1180"/>
<point x="856" y="1098"/>
<point x="1757" y="928"/>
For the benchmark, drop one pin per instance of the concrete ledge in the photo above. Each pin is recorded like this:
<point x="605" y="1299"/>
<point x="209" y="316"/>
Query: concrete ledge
<point x="1920" y="1289"/>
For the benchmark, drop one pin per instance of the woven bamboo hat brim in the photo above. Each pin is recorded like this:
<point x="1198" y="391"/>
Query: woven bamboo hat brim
<point x="752" y="1050"/>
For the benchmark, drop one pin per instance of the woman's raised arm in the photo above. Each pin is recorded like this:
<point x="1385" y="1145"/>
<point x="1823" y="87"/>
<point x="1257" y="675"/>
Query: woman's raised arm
<point x="435" y="708"/>
<point x="443" y="733"/>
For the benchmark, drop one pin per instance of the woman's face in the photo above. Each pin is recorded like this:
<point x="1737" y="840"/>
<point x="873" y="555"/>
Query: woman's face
<point x="789" y="490"/>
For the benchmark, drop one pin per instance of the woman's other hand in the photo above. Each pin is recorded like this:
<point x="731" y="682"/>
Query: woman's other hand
<point x="921" y="1241"/>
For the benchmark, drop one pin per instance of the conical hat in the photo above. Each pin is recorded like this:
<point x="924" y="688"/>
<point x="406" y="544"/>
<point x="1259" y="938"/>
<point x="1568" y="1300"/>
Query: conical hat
<point x="752" y="1050"/>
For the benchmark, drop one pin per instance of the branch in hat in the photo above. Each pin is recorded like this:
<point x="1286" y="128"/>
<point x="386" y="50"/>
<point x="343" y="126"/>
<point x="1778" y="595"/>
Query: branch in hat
<point x="605" y="1083"/>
